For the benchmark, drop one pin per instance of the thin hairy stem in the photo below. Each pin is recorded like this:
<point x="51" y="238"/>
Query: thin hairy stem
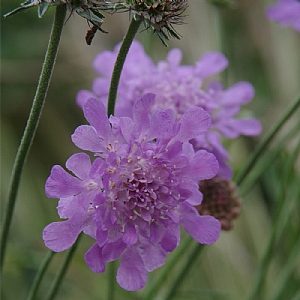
<point x="127" y="41"/>
<point x="32" y="122"/>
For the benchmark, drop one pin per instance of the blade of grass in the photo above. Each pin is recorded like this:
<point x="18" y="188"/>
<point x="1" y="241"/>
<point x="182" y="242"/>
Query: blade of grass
<point x="267" y="140"/>
<point x="62" y="271"/>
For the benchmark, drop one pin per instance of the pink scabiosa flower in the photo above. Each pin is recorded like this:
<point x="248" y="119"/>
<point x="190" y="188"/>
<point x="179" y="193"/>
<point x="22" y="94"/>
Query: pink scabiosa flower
<point x="286" y="12"/>
<point x="179" y="87"/>
<point x="141" y="187"/>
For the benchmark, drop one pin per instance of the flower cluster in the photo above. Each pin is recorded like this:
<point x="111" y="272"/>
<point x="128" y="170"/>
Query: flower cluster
<point x="141" y="187"/>
<point x="179" y="87"/>
<point x="286" y="12"/>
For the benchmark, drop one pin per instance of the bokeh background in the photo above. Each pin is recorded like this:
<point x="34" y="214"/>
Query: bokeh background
<point x="261" y="52"/>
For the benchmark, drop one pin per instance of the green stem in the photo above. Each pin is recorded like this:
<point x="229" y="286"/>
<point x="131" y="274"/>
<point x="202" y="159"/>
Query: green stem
<point x="62" y="271"/>
<point x="282" y="217"/>
<point x="127" y="41"/>
<point x="32" y="122"/>
<point x="168" y="268"/>
<point x="287" y="272"/>
<point x="39" y="275"/>
<point x="266" y="141"/>
<point x="184" y="270"/>
<point x="111" y="280"/>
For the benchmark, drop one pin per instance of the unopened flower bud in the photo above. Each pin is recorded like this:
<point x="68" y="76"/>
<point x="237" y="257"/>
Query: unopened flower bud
<point x="221" y="200"/>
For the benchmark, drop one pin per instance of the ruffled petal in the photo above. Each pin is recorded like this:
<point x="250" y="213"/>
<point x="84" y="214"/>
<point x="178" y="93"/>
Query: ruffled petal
<point x="171" y="238"/>
<point x="95" y="113"/>
<point x="112" y="251"/>
<point x="59" y="236"/>
<point x="204" y="165"/>
<point x="195" y="121"/>
<point x="161" y="123"/>
<point x="248" y="127"/>
<point x="61" y="184"/>
<point x="141" y="109"/>
<point x="132" y="274"/>
<point x="66" y="208"/>
<point x="93" y="258"/>
<point x="152" y="255"/>
<point x="210" y="64"/>
<point x="86" y="138"/>
<point x="129" y="237"/>
<point x="80" y="165"/>
<point x="204" y="229"/>
<point x="240" y="93"/>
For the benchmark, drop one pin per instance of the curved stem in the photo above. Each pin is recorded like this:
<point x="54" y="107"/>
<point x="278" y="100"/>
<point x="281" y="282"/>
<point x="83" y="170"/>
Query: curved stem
<point x="111" y="280"/>
<point x="183" y="272"/>
<point x="62" y="271"/>
<point x="168" y="268"/>
<point x="127" y="41"/>
<point x="266" y="141"/>
<point x="282" y="216"/>
<point x="40" y="274"/>
<point x="32" y="122"/>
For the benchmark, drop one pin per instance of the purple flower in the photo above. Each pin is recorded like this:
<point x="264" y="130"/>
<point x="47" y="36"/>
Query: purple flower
<point x="179" y="88"/>
<point x="142" y="185"/>
<point x="286" y="12"/>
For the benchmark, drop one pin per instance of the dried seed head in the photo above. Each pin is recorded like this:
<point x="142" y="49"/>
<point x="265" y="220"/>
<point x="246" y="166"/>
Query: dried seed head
<point x="221" y="200"/>
<point x="159" y="16"/>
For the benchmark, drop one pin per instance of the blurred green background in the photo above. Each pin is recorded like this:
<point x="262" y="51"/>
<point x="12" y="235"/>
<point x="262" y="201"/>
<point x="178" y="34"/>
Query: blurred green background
<point x="260" y="52"/>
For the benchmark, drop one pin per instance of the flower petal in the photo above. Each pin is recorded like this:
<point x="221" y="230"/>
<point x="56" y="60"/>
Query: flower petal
<point x="132" y="274"/>
<point x="80" y="165"/>
<point x="204" y="165"/>
<point x="152" y="255"/>
<point x="204" y="229"/>
<point x="141" y="109"/>
<point x="59" y="236"/>
<point x="171" y="238"/>
<point x="93" y="258"/>
<point x="95" y="113"/>
<point x="210" y="64"/>
<point x="61" y="184"/>
<point x="129" y="237"/>
<point x="112" y="251"/>
<point x="195" y="121"/>
<point x="86" y="138"/>
<point x="240" y="93"/>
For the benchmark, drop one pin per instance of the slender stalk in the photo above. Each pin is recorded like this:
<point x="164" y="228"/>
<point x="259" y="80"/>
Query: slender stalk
<point x="32" y="123"/>
<point x="286" y="273"/>
<point x="127" y="41"/>
<point x="266" y="141"/>
<point x="111" y="280"/>
<point x="62" y="271"/>
<point x="282" y="217"/>
<point x="183" y="272"/>
<point x="40" y="274"/>
<point x="168" y="268"/>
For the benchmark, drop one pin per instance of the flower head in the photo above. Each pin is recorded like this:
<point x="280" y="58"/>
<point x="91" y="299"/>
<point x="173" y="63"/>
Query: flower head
<point x="286" y="12"/>
<point x="140" y="188"/>
<point x="179" y="87"/>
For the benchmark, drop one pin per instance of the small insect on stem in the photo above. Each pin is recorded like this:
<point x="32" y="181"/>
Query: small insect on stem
<point x="90" y="35"/>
